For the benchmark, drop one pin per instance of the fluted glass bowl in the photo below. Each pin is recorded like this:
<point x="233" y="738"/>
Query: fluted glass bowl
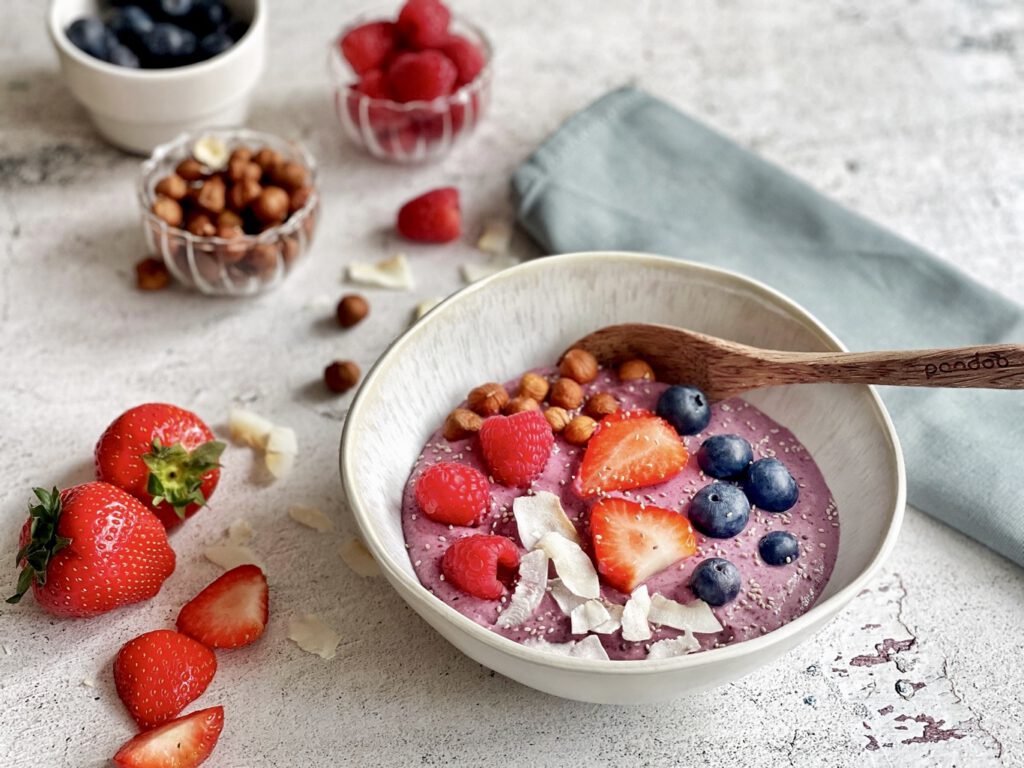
<point x="243" y="265"/>
<point x="414" y="131"/>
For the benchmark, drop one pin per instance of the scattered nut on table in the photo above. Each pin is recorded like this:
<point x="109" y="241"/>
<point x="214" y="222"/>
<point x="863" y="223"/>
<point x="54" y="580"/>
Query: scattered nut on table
<point x="151" y="275"/>
<point x="341" y="375"/>
<point x="351" y="310"/>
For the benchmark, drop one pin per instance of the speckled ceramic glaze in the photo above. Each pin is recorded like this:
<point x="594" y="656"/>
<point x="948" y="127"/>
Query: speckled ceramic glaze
<point x="505" y="324"/>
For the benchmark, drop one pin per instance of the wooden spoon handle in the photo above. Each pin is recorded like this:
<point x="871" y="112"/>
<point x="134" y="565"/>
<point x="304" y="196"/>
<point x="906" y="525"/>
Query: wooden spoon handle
<point x="993" y="366"/>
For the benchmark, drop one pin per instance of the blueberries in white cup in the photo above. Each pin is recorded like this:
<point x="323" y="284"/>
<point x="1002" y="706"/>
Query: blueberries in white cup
<point x="157" y="34"/>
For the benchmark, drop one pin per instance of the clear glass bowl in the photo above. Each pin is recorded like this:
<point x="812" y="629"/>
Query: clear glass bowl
<point x="414" y="131"/>
<point x="243" y="265"/>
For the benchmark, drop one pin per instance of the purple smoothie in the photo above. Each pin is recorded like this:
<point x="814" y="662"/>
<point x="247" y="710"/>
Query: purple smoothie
<point x="771" y="595"/>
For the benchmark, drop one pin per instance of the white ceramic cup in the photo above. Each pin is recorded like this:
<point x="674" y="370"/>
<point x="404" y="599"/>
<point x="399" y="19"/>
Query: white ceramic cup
<point x="138" y="109"/>
<point x="526" y="316"/>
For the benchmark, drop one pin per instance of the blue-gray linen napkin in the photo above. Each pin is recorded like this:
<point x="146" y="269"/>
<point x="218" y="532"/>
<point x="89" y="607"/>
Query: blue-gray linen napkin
<point x="631" y="172"/>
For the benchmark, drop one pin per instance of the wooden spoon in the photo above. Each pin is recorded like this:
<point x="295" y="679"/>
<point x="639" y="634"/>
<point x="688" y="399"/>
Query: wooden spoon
<point x="723" y="368"/>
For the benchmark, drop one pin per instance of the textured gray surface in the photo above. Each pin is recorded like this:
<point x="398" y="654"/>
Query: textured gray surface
<point x="908" y="112"/>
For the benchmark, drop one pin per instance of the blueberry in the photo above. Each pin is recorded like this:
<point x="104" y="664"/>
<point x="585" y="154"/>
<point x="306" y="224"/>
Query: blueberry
<point x="129" y="23"/>
<point x="685" y="408"/>
<point x="89" y="35"/>
<point x="770" y="486"/>
<point x="122" y="56"/>
<point x="719" y="510"/>
<point x="207" y="17"/>
<point x="716" y="581"/>
<point x="176" y="9"/>
<point x="214" y="44"/>
<point x="778" y="548"/>
<point x="725" y="456"/>
<point x="167" y="45"/>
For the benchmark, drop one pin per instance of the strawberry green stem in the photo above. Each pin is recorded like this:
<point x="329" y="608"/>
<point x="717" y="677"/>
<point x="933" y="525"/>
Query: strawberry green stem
<point x="176" y="475"/>
<point x="43" y="542"/>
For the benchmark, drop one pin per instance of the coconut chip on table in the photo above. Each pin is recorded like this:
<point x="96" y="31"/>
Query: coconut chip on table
<point x="393" y="273"/>
<point x="281" y="450"/>
<point x="358" y="558"/>
<point x="425" y="306"/>
<point x="240" y="533"/>
<point x="313" y="636"/>
<point x="311" y="517"/>
<point x="572" y="565"/>
<point x="541" y="514"/>
<point x="495" y="237"/>
<point x="529" y="591"/>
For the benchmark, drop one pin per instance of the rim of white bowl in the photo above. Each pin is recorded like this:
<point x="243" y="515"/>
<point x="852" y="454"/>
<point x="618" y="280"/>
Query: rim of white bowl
<point x="60" y="39"/>
<point x="618" y="666"/>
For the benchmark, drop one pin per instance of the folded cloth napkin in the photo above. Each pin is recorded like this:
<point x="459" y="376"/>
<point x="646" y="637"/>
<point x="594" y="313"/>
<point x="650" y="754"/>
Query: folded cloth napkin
<point x="632" y="173"/>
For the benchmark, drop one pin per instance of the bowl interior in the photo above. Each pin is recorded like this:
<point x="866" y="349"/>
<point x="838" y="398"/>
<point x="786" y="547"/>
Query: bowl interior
<point x="526" y="316"/>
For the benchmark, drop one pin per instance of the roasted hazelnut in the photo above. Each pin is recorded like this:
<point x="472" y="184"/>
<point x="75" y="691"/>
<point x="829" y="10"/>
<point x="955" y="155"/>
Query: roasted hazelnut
<point x="578" y="365"/>
<point x="558" y="418"/>
<point x="290" y="249"/>
<point x="631" y="370"/>
<point x="168" y="210"/>
<point x="461" y="423"/>
<point x="579" y="430"/>
<point x="519" y="404"/>
<point x="252" y="172"/>
<point x="236" y="168"/>
<point x="271" y="207"/>
<point x="266" y="158"/>
<point x="172" y="186"/>
<point x="600" y="405"/>
<point x="228" y="218"/>
<point x="566" y="393"/>
<point x="151" y="275"/>
<point x="299" y="198"/>
<point x="243" y="193"/>
<point x="351" y="310"/>
<point x="341" y="375"/>
<point x="200" y="225"/>
<point x="262" y="259"/>
<point x="487" y="399"/>
<point x="290" y="175"/>
<point x="190" y="169"/>
<point x="231" y="253"/>
<point x="212" y="194"/>
<point x="533" y="385"/>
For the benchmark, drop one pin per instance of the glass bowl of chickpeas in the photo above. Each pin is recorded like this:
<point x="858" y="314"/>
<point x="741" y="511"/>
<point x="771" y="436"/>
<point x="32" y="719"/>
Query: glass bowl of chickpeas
<point x="230" y="212"/>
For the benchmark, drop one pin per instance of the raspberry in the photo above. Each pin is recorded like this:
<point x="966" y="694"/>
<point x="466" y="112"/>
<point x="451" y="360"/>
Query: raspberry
<point x="424" y="23"/>
<point x="467" y="58"/>
<point x="372" y="84"/>
<point x="366" y="47"/>
<point x="422" y="76"/>
<point x="452" y="493"/>
<point x="516" y="447"/>
<point x="432" y="218"/>
<point x="479" y="564"/>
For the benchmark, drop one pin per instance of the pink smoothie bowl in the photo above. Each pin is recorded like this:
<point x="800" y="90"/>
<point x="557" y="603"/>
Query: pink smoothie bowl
<point x="527" y="316"/>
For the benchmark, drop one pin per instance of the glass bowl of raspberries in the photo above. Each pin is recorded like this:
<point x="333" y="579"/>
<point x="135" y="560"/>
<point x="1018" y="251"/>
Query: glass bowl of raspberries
<point x="407" y="90"/>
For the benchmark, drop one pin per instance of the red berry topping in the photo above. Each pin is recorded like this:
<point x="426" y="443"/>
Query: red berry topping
<point x="467" y="58"/>
<point x="630" y="449"/>
<point x="424" y="23"/>
<point x="479" y="564"/>
<point x="422" y="76"/>
<point x="516" y="447"/>
<point x="367" y="46"/>
<point x="453" y="493"/>
<point x="634" y="542"/>
<point x="372" y="84"/>
<point x="434" y="217"/>
<point x="230" y="612"/>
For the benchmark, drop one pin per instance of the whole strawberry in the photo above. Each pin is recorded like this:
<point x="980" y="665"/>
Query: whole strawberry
<point x="89" y="549"/>
<point x="162" y="455"/>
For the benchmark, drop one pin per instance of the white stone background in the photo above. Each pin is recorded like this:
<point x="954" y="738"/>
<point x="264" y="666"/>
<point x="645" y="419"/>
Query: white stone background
<point x="910" y="112"/>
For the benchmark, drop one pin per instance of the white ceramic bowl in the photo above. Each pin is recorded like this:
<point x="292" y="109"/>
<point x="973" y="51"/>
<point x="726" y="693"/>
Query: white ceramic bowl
<point x="138" y="109"/>
<point x="526" y="316"/>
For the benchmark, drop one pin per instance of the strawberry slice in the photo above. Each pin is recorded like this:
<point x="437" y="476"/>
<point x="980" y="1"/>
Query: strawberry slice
<point x="230" y="612"/>
<point x="629" y="450"/>
<point x="632" y="543"/>
<point x="182" y="743"/>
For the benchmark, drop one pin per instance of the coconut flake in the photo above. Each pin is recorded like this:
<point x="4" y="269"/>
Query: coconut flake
<point x="248" y="428"/>
<point x="426" y="305"/>
<point x="358" y="558"/>
<point x="566" y="600"/>
<point x="559" y="649"/>
<point x="589" y="648"/>
<point x="615" y="620"/>
<point x="571" y="564"/>
<point x="472" y="271"/>
<point x="211" y="151"/>
<point x="282" y="447"/>
<point x="634" y="616"/>
<point x="391" y="273"/>
<point x="676" y="646"/>
<point x="313" y="636"/>
<point x="695" y="616"/>
<point x="89" y="682"/>
<point x="541" y="514"/>
<point x="585" y="618"/>
<point x="529" y="591"/>
<point x="496" y="236"/>
<point x="229" y="556"/>
<point x="311" y="517"/>
<point x="240" y="533"/>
